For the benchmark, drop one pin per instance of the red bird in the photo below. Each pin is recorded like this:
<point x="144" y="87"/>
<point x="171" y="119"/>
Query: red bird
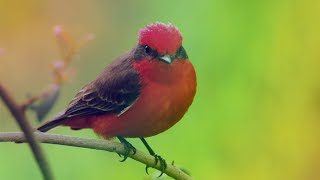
<point x="140" y="94"/>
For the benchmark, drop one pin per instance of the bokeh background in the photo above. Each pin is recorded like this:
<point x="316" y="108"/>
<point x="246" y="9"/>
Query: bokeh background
<point x="257" y="109"/>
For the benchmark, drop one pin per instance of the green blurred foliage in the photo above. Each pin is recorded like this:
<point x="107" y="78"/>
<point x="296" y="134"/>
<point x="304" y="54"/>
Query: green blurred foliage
<point x="256" y="112"/>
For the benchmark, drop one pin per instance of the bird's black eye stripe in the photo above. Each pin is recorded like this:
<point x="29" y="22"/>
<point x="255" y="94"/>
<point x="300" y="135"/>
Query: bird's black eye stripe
<point x="144" y="51"/>
<point x="147" y="49"/>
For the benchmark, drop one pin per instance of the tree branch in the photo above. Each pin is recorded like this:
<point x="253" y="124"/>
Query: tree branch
<point x="97" y="144"/>
<point x="19" y="114"/>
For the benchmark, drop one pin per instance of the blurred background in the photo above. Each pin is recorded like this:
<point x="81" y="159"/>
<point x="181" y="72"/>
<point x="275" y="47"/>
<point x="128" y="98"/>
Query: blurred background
<point x="257" y="109"/>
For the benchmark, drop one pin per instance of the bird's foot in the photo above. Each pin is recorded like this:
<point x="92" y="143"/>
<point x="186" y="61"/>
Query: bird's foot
<point x="163" y="164"/>
<point x="127" y="149"/>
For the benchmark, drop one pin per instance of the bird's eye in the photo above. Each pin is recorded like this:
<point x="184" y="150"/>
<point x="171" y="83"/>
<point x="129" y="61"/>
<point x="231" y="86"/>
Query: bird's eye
<point x="147" y="49"/>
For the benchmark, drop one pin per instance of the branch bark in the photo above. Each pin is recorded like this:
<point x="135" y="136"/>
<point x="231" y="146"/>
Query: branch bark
<point x="18" y="113"/>
<point x="97" y="144"/>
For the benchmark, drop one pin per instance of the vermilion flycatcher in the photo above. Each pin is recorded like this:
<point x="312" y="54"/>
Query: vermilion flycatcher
<point x="140" y="94"/>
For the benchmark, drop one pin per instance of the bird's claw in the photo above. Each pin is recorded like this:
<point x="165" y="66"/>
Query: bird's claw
<point x="127" y="149"/>
<point x="163" y="164"/>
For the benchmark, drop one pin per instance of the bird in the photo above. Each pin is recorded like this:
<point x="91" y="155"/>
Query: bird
<point x="140" y="94"/>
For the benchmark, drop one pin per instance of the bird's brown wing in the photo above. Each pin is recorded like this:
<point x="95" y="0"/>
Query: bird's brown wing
<point x="110" y="99"/>
<point x="113" y="91"/>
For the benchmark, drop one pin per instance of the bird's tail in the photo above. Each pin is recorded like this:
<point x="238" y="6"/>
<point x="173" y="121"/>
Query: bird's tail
<point x="51" y="124"/>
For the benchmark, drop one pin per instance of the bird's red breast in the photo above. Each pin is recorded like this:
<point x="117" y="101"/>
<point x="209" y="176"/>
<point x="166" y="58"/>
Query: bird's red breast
<point x="166" y="94"/>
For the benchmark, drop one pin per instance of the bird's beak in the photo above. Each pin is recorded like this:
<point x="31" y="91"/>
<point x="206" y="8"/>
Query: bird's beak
<point x="166" y="58"/>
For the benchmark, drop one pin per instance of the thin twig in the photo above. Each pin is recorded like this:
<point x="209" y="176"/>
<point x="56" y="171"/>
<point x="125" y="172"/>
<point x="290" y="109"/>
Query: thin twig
<point x="97" y="144"/>
<point x="29" y="102"/>
<point x="19" y="115"/>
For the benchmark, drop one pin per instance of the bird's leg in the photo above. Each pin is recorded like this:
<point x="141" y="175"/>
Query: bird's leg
<point x="158" y="158"/>
<point x="127" y="147"/>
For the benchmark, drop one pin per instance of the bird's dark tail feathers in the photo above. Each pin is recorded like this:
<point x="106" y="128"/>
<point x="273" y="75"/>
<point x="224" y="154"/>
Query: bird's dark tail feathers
<point x="51" y="124"/>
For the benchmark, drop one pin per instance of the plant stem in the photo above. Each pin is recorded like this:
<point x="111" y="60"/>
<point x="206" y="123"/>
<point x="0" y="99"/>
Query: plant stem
<point x="19" y="115"/>
<point x="97" y="144"/>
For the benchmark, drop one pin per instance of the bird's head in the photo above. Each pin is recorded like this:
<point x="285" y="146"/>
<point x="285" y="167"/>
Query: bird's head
<point x="162" y="42"/>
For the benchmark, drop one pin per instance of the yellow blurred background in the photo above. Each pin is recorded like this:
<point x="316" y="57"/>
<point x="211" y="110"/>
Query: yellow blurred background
<point x="257" y="109"/>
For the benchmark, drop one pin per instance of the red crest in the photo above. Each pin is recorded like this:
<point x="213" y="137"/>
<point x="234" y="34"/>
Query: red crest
<point x="164" y="38"/>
